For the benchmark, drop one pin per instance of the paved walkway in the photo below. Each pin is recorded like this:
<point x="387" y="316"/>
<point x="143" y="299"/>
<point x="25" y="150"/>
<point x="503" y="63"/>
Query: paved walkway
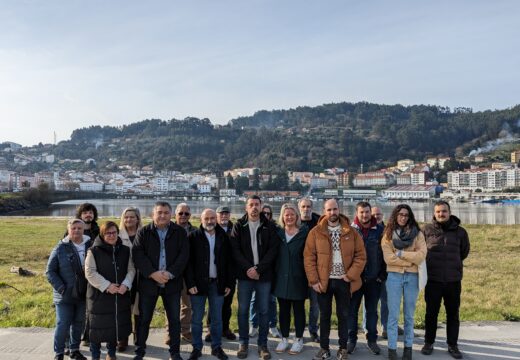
<point x="480" y="340"/>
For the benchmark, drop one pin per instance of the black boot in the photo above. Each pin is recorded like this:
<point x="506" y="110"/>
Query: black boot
<point x="407" y="353"/>
<point x="392" y="354"/>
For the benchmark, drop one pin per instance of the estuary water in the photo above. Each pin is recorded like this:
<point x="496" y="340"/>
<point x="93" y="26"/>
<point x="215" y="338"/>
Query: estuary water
<point x="469" y="213"/>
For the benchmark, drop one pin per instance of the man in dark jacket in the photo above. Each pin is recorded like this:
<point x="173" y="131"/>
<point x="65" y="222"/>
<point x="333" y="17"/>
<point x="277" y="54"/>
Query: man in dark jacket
<point x="373" y="276"/>
<point x="310" y="219"/>
<point x="208" y="276"/>
<point x="255" y="243"/>
<point x="160" y="254"/>
<point x="448" y="246"/>
<point x="223" y="214"/>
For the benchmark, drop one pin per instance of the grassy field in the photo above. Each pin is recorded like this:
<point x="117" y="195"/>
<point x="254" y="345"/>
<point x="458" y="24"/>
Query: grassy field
<point x="489" y="290"/>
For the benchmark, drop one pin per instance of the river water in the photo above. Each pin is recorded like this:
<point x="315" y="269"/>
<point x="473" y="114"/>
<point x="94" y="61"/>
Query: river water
<point x="468" y="213"/>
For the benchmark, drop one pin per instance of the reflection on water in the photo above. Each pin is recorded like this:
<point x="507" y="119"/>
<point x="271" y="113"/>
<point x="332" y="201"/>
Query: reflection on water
<point x="468" y="213"/>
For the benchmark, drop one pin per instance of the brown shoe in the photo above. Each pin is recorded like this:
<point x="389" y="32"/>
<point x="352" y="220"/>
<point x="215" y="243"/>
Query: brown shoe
<point x="263" y="353"/>
<point x="187" y="337"/>
<point x="110" y="357"/>
<point x="122" y="345"/>
<point x="242" y="352"/>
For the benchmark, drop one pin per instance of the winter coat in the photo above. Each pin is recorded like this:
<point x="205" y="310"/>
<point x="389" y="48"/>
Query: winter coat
<point x="375" y="267"/>
<point x="312" y="222"/>
<point x="448" y="246"/>
<point x="268" y="243"/>
<point x="317" y="255"/>
<point x="410" y="258"/>
<point x="197" y="271"/>
<point x="290" y="280"/>
<point x="146" y="252"/>
<point x="109" y="314"/>
<point x="61" y="274"/>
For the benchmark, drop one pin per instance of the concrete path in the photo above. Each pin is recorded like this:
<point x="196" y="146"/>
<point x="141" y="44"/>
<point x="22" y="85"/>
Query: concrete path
<point x="480" y="340"/>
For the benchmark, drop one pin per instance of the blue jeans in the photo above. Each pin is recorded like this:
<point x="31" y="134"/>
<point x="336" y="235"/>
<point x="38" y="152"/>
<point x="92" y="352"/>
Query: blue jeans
<point x="314" y="311"/>
<point x="369" y="291"/>
<point x="70" y="323"/>
<point x="95" y="349"/>
<point x="263" y="296"/>
<point x="398" y="286"/>
<point x="172" y="305"/>
<point x="198" y="303"/>
<point x="272" y="312"/>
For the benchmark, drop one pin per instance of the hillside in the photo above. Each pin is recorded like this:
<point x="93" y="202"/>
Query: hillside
<point x="304" y="138"/>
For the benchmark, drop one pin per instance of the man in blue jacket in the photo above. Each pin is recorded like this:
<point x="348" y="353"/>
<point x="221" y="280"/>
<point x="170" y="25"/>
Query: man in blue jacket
<point x="373" y="277"/>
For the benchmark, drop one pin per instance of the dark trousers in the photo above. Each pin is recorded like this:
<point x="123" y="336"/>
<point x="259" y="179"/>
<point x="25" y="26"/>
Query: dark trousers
<point x="340" y="290"/>
<point x="434" y="293"/>
<point x="370" y="291"/>
<point x="172" y="305"/>
<point x="298" y="307"/>
<point x="226" y="310"/>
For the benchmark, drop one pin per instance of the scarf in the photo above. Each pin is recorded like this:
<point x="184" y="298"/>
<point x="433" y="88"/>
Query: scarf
<point x="403" y="239"/>
<point x="364" y="230"/>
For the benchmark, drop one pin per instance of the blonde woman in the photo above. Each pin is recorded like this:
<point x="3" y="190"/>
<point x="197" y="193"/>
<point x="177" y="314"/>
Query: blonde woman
<point x="290" y="284"/>
<point x="404" y="249"/>
<point x="128" y="226"/>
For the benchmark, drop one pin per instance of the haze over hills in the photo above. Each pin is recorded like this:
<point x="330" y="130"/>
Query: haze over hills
<point x="305" y="138"/>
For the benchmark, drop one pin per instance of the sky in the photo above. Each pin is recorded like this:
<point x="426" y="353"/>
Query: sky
<point x="70" y="64"/>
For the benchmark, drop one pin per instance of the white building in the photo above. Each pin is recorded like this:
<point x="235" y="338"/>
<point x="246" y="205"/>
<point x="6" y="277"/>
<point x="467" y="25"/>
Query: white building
<point x="228" y="192"/>
<point x="160" y="184"/>
<point x="483" y="179"/>
<point x="91" y="186"/>
<point x="374" y="179"/>
<point x="411" y="192"/>
<point x="204" y="188"/>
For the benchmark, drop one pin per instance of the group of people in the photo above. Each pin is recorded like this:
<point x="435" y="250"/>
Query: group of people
<point x="101" y="276"/>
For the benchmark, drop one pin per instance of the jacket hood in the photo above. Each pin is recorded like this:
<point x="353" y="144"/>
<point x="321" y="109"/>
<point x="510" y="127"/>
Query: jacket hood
<point x="452" y="224"/>
<point x="244" y="219"/>
<point x="67" y="240"/>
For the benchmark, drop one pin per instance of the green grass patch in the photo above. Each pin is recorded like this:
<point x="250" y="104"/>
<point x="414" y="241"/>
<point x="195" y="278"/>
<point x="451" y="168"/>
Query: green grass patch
<point x="489" y="292"/>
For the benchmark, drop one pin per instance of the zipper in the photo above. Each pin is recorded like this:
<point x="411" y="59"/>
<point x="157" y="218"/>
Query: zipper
<point x="115" y="271"/>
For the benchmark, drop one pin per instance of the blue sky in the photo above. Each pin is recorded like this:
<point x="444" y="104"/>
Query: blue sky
<point x="71" y="64"/>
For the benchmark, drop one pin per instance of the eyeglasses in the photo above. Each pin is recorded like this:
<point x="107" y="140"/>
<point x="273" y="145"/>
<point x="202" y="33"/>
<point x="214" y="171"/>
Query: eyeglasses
<point x="111" y="233"/>
<point x="266" y="213"/>
<point x="183" y="213"/>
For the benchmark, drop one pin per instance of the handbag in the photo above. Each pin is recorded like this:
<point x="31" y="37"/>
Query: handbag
<point x="423" y="275"/>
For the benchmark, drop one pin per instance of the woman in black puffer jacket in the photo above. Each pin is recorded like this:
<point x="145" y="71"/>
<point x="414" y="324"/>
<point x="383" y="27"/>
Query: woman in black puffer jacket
<point x="110" y="272"/>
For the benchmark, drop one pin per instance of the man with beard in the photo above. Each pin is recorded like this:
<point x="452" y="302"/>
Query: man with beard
<point x="334" y="258"/>
<point x="255" y="244"/>
<point x="310" y="219"/>
<point x="208" y="276"/>
<point x="448" y="246"/>
<point x="160" y="253"/>
<point x="89" y="214"/>
<point x="223" y="215"/>
<point x="373" y="276"/>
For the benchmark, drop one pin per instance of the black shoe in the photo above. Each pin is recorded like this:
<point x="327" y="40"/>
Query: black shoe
<point x="230" y="335"/>
<point x="427" y="349"/>
<point x="454" y="352"/>
<point x="384" y="335"/>
<point x="175" y="356"/>
<point x="392" y="354"/>
<point x="407" y="353"/>
<point x="342" y="354"/>
<point x="351" y="347"/>
<point x="242" y="352"/>
<point x="400" y="331"/>
<point x="219" y="353"/>
<point x="195" y="354"/>
<point x="58" y="357"/>
<point x="315" y="337"/>
<point x="207" y="338"/>
<point x="77" y="355"/>
<point x="263" y="353"/>
<point x="66" y="351"/>
<point x="373" y="347"/>
<point x="322" y="354"/>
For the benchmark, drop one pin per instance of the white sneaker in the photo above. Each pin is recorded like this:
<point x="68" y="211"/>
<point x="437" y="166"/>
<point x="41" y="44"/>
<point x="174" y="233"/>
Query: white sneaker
<point x="282" y="345"/>
<point x="296" y="347"/>
<point x="274" y="332"/>
<point x="253" y="331"/>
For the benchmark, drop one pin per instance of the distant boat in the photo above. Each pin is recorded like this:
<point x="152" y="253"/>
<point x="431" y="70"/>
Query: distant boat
<point x="491" y="201"/>
<point x="511" y="201"/>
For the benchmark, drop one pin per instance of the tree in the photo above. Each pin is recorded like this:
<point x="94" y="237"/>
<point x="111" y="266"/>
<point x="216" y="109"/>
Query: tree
<point x="256" y="179"/>
<point x="241" y="184"/>
<point x="230" y="181"/>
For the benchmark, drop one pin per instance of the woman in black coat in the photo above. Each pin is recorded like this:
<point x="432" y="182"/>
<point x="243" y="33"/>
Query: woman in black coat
<point x="110" y="272"/>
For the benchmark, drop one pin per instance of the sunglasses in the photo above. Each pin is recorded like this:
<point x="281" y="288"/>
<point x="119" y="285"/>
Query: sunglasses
<point x="266" y="213"/>
<point x="183" y="213"/>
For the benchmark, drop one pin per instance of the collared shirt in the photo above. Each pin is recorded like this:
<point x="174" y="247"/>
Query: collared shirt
<point x="162" y="255"/>
<point x="212" y="266"/>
